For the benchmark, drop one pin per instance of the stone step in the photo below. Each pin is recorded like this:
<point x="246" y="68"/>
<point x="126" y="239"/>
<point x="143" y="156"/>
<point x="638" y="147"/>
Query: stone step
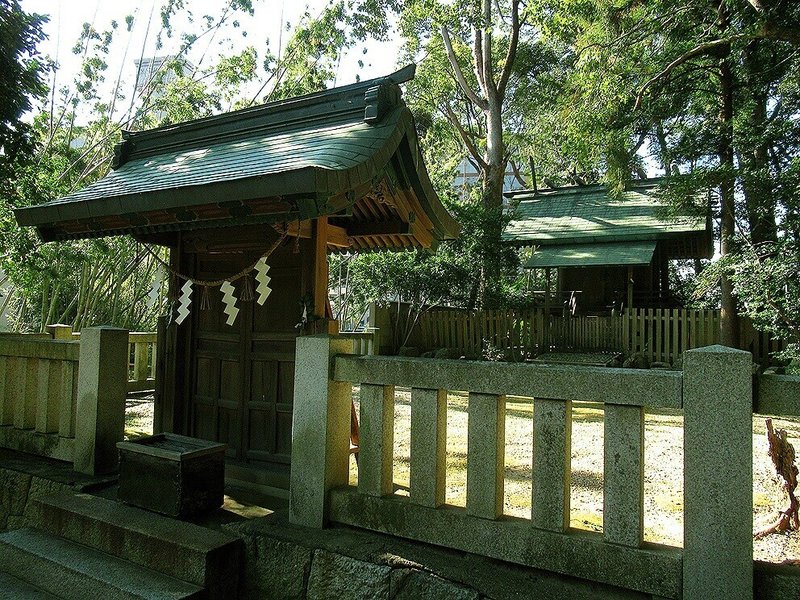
<point x="11" y="587"/>
<point x="199" y="555"/>
<point x="72" y="571"/>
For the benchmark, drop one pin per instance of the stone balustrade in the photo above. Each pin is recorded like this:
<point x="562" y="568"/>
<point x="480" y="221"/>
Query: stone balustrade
<point x="714" y="393"/>
<point x="65" y="399"/>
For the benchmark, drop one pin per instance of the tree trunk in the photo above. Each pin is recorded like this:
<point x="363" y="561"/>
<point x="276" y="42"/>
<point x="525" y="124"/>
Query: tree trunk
<point x="493" y="180"/>
<point x="729" y="322"/>
<point x="783" y="458"/>
<point x="489" y="98"/>
<point x="756" y="179"/>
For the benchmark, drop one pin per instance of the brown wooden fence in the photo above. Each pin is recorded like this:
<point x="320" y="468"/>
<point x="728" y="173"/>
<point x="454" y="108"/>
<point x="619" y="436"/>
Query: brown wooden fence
<point x="662" y="335"/>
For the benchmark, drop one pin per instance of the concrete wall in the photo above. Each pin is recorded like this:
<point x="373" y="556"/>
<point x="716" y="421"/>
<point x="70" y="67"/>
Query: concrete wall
<point x="291" y="562"/>
<point x="288" y="561"/>
<point x="714" y="392"/>
<point x="65" y="399"/>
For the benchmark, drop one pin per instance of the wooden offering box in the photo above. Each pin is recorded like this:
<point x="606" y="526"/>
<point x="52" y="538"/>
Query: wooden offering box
<point x="172" y="474"/>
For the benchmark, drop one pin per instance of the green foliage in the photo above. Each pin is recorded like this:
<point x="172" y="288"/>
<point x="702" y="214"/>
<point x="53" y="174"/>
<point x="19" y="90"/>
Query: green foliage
<point x="21" y="70"/>
<point x="766" y="279"/>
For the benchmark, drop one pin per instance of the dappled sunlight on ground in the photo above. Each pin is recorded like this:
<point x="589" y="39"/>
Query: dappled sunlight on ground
<point x="663" y="479"/>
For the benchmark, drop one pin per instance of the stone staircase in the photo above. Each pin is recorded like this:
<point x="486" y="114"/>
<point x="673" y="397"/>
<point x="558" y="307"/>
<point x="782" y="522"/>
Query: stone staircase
<point x="87" y="547"/>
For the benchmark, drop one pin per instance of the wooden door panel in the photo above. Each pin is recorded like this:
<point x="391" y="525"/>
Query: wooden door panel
<point x="264" y="381"/>
<point x="231" y="382"/>
<point x="205" y="421"/>
<point x="286" y="383"/>
<point x="206" y="377"/>
<point x="243" y="375"/>
<point x="229" y="430"/>
<point x="259" y="421"/>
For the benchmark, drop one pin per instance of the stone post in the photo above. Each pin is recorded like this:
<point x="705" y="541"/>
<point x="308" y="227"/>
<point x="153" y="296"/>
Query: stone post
<point x="102" y="388"/>
<point x="320" y="429"/>
<point x="718" y="478"/>
<point x="60" y="332"/>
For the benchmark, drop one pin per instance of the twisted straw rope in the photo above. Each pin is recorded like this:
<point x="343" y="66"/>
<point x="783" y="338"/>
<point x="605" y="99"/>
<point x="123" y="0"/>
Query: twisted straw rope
<point x="217" y="282"/>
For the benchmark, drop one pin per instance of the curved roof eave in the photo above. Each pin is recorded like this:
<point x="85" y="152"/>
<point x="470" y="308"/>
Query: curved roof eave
<point x="340" y="170"/>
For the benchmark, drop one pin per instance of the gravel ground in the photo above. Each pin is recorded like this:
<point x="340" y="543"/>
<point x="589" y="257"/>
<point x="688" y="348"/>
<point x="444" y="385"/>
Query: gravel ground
<point x="663" y="519"/>
<point x="138" y="416"/>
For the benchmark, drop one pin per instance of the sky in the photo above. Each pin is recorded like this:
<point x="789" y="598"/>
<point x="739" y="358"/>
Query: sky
<point x="67" y="18"/>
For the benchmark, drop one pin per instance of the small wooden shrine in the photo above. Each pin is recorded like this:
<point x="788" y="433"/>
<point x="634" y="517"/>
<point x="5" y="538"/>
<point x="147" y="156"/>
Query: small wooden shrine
<point x="608" y="251"/>
<point x="249" y="204"/>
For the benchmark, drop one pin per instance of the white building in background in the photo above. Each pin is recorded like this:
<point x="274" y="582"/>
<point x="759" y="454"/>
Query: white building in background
<point x="153" y="70"/>
<point x="468" y="176"/>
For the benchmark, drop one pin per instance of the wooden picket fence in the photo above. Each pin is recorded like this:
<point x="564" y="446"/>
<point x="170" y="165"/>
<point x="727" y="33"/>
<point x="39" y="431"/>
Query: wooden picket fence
<point x="662" y="335"/>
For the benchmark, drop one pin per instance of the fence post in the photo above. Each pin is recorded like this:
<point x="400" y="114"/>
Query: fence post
<point x="102" y="387"/>
<point x="140" y="367"/>
<point x="60" y="332"/>
<point x="718" y="475"/>
<point x="320" y="429"/>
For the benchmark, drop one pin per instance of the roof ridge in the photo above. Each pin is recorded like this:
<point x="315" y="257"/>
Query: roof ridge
<point x="631" y="185"/>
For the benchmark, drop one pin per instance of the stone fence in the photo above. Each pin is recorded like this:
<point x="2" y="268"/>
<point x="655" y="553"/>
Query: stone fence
<point x="65" y="399"/>
<point x="142" y="354"/>
<point x="714" y="392"/>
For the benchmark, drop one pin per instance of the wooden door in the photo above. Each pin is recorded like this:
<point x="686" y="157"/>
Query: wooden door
<point x="270" y="362"/>
<point x="241" y="380"/>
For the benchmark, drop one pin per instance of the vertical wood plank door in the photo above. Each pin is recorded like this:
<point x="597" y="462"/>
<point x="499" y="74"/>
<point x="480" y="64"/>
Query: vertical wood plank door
<point x="216" y="353"/>
<point x="270" y="360"/>
<point x="242" y="375"/>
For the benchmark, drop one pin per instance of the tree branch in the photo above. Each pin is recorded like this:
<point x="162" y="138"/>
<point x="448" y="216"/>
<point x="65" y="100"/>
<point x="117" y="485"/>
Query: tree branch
<point x="488" y="76"/>
<point x="477" y="55"/>
<point x="465" y="137"/>
<point x="517" y="174"/>
<point x="512" y="49"/>
<point x="700" y="50"/>
<point x="462" y="82"/>
<point x="758" y="5"/>
<point x="772" y="31"/>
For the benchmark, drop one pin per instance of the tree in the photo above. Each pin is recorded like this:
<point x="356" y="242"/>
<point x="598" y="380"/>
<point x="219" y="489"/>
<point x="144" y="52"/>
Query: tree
<point x="710" y="88"/>
<point x="467" y="76"/>
<point x="21" y="71"/>
<point x="766" y="277"/>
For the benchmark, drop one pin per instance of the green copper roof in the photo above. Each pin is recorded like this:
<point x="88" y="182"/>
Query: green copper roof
<point x="592" y="255"/>
<point x="250" y="166"/>
<point x="587" y="214"/>
<point x="300" y="158"/>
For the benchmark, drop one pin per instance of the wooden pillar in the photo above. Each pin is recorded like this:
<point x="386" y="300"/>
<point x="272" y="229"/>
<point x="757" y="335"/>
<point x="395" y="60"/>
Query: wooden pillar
<point x="546" y="321"/>
<point x="547" y="290"/>
<point x="630" y="288"/>
<point x="320" y="266"/>
<point x="321" y="321"/>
